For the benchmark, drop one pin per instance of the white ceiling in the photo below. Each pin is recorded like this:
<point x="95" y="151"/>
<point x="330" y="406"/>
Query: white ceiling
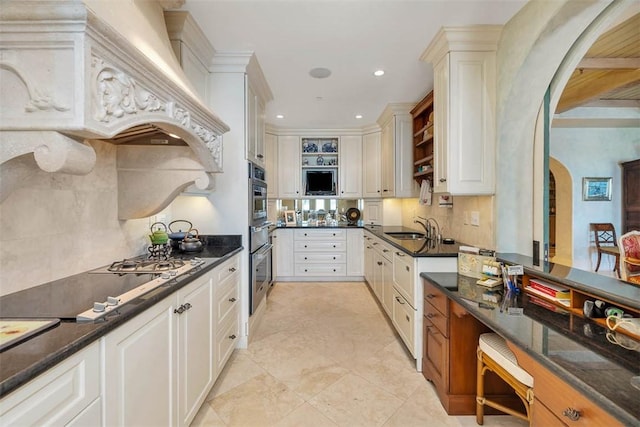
<point x="352" y="38"/>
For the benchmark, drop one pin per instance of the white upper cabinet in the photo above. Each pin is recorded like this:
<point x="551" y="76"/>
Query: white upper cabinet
<point x="289" y="171"/>
<point x="396" y="161"/>
<point x="371" y="174"/>
<point x="255" y="116"/>
<point x="271" y="164"/>
<point x="350" y="170"/>
<point x="464" y="61"/>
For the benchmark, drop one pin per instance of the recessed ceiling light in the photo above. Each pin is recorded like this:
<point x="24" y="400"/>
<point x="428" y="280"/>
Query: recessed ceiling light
<point x="378" y="73"/>
<point x="320" y="73"/>
<point x="279" y="116"/>
<point x="358" y="116"/>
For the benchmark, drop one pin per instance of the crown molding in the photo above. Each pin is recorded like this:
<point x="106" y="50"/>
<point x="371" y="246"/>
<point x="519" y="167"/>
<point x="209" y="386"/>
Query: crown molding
<point x="473" y="38"/>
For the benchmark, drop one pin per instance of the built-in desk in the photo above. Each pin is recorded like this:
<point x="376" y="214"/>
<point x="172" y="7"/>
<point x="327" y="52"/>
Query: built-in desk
<point x="565" y="345"/>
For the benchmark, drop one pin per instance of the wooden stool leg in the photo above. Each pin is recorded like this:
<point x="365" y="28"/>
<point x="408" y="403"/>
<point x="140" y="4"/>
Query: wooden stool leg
<point x="480" y="390"/>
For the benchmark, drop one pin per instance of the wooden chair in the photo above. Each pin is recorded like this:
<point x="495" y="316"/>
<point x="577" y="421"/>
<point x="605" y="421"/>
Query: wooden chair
<point x="494" y="355"/>
<point x="606" y="243"/>
<point x="630" y="257"/>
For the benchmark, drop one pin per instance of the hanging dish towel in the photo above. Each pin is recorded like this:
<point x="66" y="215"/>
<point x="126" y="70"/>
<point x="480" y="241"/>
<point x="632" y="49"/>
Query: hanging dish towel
<point x="425" y="193"/>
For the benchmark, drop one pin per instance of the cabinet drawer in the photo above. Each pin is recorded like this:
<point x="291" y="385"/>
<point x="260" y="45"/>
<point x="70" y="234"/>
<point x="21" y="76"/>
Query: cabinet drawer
<point x="225" y="343"/>
<point x="228" y="268"/>
<point x="403" y="277"/>
<point x="322" y="257"/>
<point x="321" y="270"/>
<point x="326" y="234"/>
<point x="435" y="297"/>
<point x="383" y="249"/>
<point x="58" y="395"/>
<point x="541" y="416"/>
<point x="316" y="246"/>
<point x="435" y="360"/>
<point x="437" y="319"/>
<point x="403" y="316"/>
<point x="558" y="396"/>
<point x="226" y="301"/>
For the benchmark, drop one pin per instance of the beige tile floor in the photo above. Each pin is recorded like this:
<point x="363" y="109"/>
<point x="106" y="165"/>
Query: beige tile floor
<point x="325" y="355"/>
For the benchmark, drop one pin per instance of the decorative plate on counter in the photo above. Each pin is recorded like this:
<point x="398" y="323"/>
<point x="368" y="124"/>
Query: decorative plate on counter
<point x="353" y="215"/>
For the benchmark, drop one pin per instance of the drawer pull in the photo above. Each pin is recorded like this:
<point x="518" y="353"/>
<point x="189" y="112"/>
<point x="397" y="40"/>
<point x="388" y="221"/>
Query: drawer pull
<point x="232" y="269"/>
<point x="179" y="310"/>
<point x="399" y="254"/>
<point x="407" y="316"/>
<point x="572" y="414"/>
<point x="385" y="250"/>
<point x="379" y="263"/>
<point x="407" y="267"/>
<point x="187" y="306"/>
<point x="232" y="299"/>
<point x="375" y="243"/>
<point x="399" y="300"/>
<point x="431" y="315"/>
<point x="232" y="336"/>
<point x="431" y="296"/>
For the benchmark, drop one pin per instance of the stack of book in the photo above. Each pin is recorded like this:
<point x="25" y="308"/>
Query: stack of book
<point x="549" y="290"/>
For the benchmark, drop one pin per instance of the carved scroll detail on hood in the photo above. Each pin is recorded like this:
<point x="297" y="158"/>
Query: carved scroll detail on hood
<point x="65" y="70"/>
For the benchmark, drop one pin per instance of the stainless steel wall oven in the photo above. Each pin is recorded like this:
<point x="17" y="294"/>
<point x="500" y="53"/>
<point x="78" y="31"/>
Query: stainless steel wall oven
<point x="260" y="248"/>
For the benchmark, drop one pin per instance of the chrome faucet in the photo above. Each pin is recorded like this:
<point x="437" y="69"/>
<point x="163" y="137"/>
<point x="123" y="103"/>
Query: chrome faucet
<point x="431" y="227"/>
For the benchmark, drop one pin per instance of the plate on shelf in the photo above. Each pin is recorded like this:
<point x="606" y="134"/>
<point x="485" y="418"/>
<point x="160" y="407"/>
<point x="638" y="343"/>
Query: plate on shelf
<point x="330" y="147"/>
<point x="309" y="147"/>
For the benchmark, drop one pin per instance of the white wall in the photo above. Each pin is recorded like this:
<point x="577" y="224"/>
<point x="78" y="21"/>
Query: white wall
<point x="593" y="152"/>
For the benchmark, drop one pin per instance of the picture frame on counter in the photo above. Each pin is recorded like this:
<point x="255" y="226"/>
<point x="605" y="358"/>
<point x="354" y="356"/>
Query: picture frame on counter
<point x="290" y="217"/>
<point x="596" y="189"/>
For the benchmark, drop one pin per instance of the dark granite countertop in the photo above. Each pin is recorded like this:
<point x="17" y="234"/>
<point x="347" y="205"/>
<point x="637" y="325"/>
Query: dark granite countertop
<point x="573" y="348"/>
<point x="610" y="288"/>
<point x="415" y="248"/>
<point x="23" y="362"/>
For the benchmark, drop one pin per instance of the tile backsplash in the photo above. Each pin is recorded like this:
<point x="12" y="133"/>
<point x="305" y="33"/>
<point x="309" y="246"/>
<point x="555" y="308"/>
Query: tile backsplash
<point x="56" y="225"/>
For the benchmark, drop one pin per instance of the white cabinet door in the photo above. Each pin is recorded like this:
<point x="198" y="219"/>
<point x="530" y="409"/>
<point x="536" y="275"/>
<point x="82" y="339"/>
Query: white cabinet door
<point x="195" y="346"/>
<point x="355" y="251"/>
<point x="251" y="124"/>
<point x="66" y="393"/>
<point x="441" y="127"/>
<point x="368" y="259"/>
<point x="464" y="91"/>
<point x="404" y="184"/>
<point x="372" y="212"/>
<point x="289" y="171"/>
<point x="283" y="253"/>
<point x="371" y="174"/>
<point x="350" y="167"/>
<point x="388" y="159"/>
<point x="260" y="132"/>
<point x="386" y="287"/>
<point x="271" y="165"/>
<point x="141" y="375"/>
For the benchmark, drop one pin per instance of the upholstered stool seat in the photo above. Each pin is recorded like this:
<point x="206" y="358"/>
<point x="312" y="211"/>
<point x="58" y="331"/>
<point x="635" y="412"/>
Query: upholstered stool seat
<point x="494" y="355"/>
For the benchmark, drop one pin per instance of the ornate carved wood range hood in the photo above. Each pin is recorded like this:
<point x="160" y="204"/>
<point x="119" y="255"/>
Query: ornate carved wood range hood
<point x="67" y="76"/>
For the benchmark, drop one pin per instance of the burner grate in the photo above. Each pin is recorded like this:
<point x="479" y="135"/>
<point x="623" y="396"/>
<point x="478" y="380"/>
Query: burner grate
<point x="145" y="265"/>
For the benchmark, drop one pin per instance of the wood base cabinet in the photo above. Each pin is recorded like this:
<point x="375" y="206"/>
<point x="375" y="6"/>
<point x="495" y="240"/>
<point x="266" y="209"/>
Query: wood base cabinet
<point x="449" y="356"/>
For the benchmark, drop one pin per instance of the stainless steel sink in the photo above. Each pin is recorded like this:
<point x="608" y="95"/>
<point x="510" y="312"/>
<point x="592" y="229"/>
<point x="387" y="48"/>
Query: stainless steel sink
<point x="403" y="235"/>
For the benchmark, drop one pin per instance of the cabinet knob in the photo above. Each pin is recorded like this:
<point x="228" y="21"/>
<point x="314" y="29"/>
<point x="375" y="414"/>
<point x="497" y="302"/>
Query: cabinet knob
<point x="232" y="299"/>
<point x="379" y="263"/>
<point x="342" y="192"/>
<point x="179" y="310"/>
<point x="334" y="257"/>
<point x="385" y="250"/>
<point x="305" y="258"/>
<point x="407" y="317"/>
<point x="305" y="246"/>
<point x="232" y="269"/>
<point x="187" y="306"/>
<point x="572" y="414"/>
<point x="334" y="270"/>
<point x="399" y="254"/>
<point x="260" y="156"/>
<point x="407" y="267"/>
<point x="232" y="336"/>
<point x="305" y="234"/>
<point x="334" y="246"/>
<point x="443" y="179"/>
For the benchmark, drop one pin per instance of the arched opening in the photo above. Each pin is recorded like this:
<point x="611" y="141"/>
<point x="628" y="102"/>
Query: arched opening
<point x="560" y="213"/>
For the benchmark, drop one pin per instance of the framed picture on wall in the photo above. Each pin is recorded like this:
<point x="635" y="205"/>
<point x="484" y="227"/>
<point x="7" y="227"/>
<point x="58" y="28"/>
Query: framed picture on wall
<point x="290" y="217"/>
<point x="596" y="189"/>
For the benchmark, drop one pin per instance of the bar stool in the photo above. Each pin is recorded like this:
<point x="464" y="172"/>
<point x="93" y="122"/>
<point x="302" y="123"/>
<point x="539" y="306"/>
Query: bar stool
<point x="495" y="356"/>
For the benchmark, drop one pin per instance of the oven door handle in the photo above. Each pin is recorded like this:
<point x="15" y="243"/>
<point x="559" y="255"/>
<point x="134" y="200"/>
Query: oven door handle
<point x="264" y="250"/>
<point x="261" y="227"/>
